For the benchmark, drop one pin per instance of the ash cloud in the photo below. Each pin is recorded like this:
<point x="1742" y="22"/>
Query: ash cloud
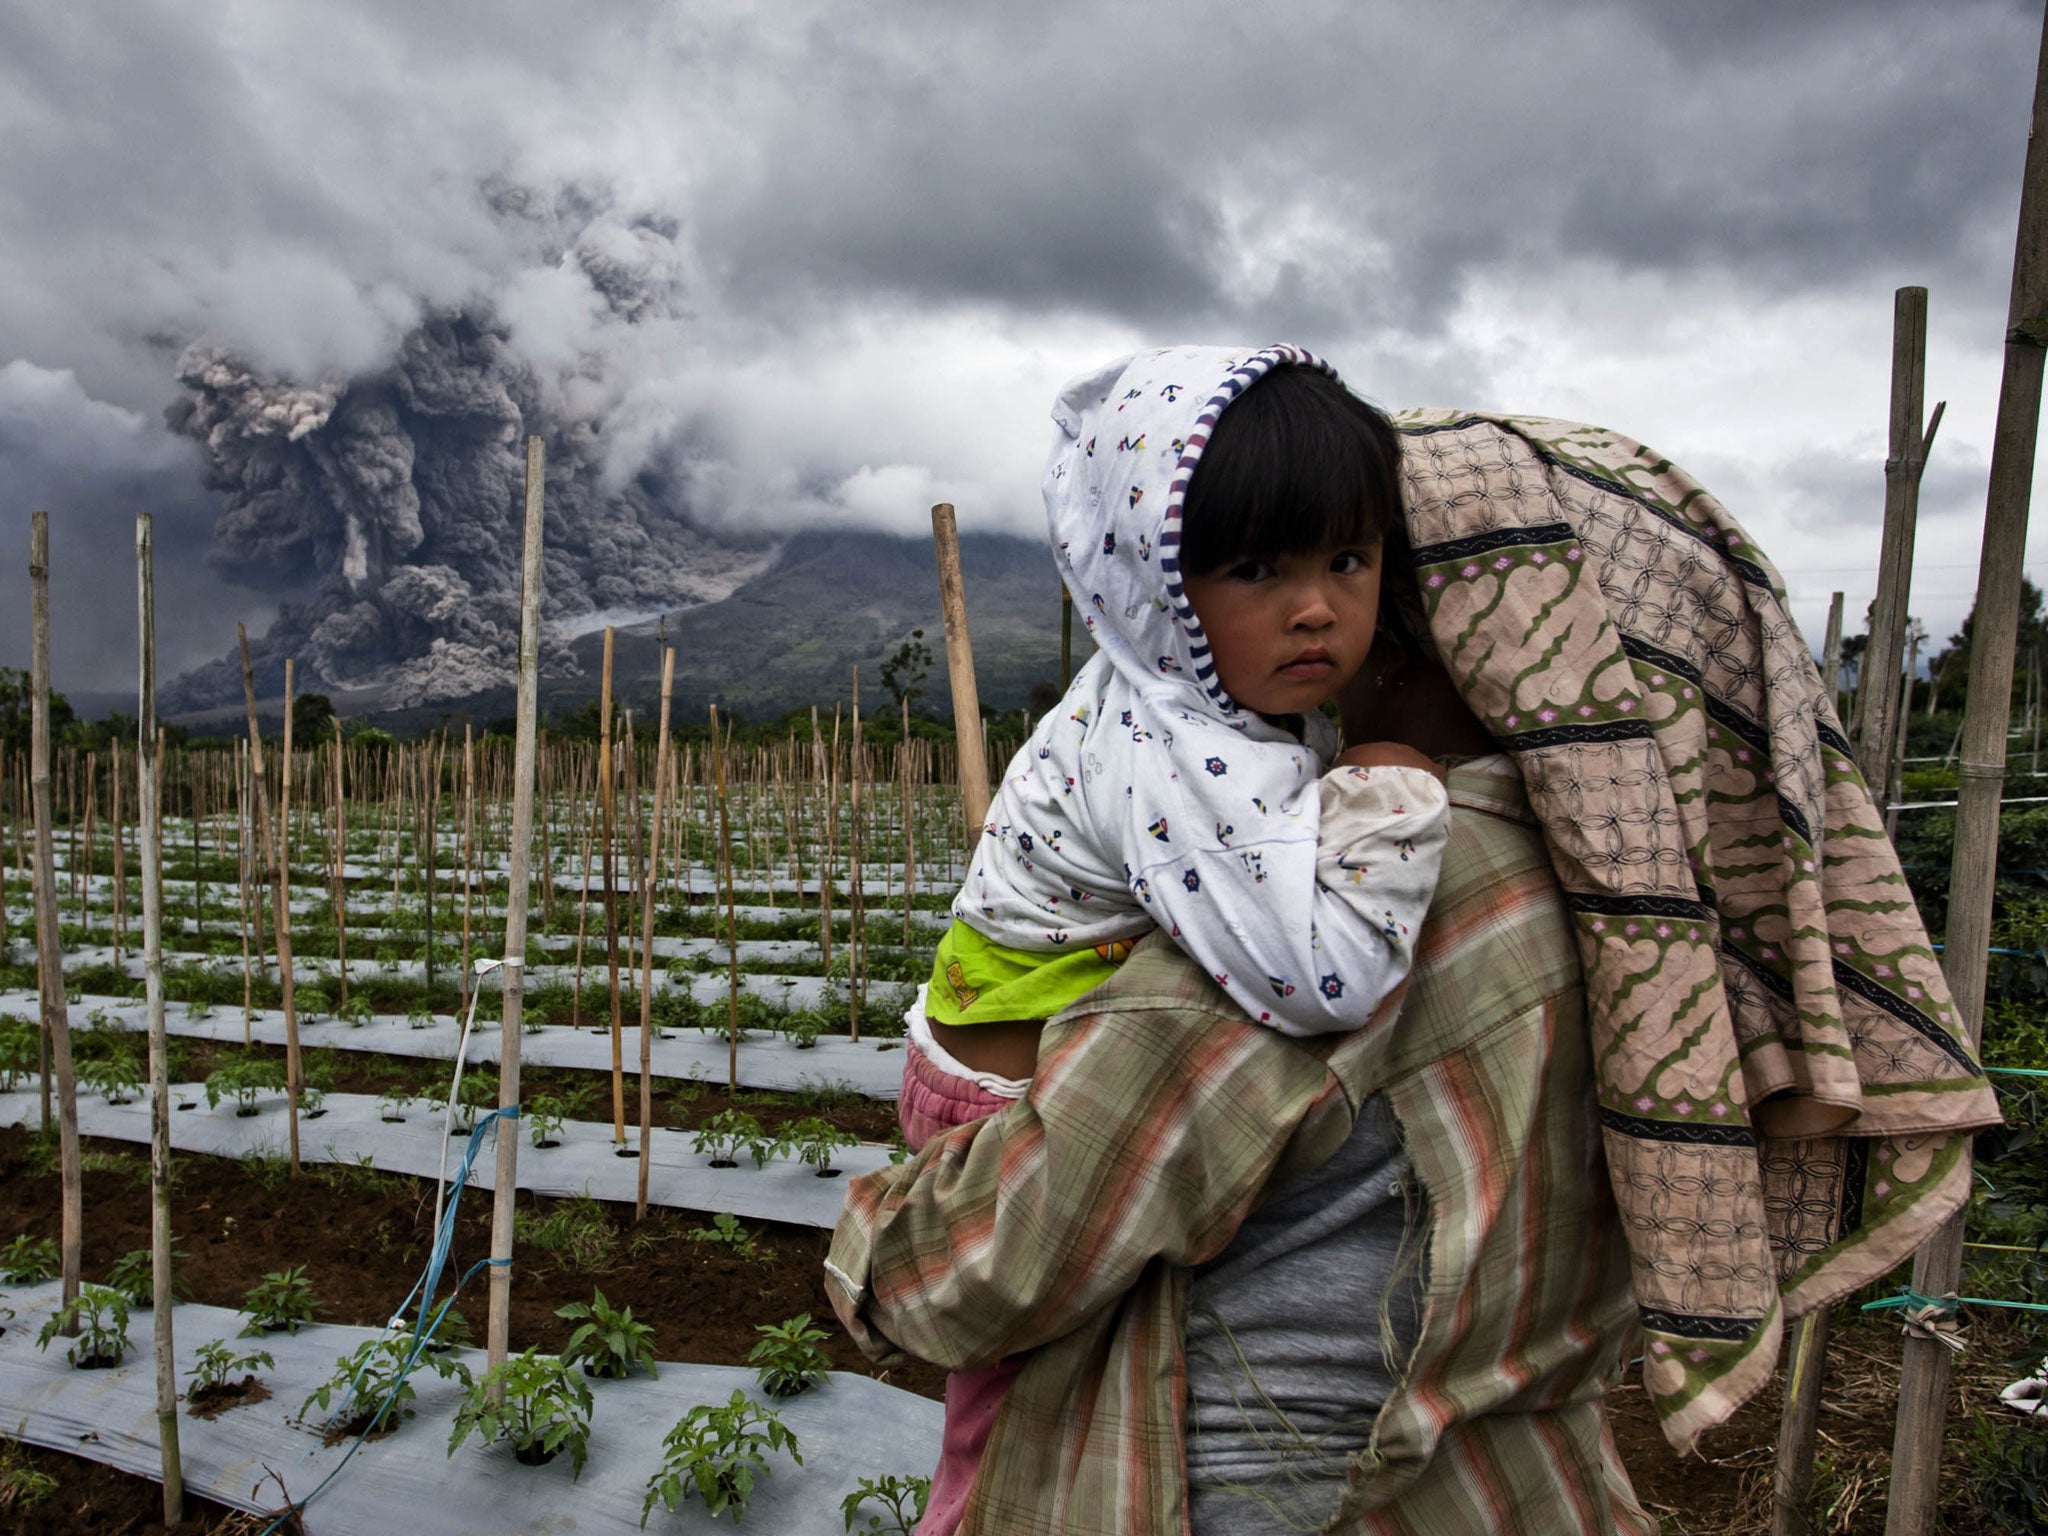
<point x="400" y="490"/>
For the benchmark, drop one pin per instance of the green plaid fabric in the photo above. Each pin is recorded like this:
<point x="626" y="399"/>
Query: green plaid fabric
<point x="1066" y="1225"/>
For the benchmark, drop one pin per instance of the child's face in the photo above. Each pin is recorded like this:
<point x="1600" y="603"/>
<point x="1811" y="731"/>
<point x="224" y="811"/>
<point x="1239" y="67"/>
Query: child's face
<point x="1287" y="633"/>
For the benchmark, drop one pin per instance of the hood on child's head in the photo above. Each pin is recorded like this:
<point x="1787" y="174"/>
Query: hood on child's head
<point x="1129" y="436"/>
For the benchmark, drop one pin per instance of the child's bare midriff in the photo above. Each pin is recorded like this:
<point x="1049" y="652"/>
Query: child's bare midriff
<point x="1006" y="1047"/>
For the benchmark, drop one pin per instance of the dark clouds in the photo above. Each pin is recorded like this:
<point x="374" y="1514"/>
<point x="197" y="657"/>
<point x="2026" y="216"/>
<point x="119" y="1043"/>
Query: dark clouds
<point x="757" y="268"/>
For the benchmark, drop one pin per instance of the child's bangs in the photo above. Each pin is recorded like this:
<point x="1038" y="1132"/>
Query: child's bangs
<point x="1297" y="464"/>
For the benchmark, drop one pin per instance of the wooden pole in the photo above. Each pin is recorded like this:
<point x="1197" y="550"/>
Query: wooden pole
<point x="340" y="864"/>
<point x="1925" y="1368"/>
<point x="605" y="774"/>
<point x="148" y="793"/>
<point x="274" y="863"/>
<point x="732" y="919"/>
<point x="856" y="897"/>
<point x="1831" y="655"/>
<point x="498" y="1328"/>
<point x="120" y="862"/>
<point x="974" y="790"/>
<point x="1895" y="770"/>
<point x="647" y="890"/>
<point x="1903" y="466"/>
<point x="49" y="950"/>
<point x="1879" y="722"/>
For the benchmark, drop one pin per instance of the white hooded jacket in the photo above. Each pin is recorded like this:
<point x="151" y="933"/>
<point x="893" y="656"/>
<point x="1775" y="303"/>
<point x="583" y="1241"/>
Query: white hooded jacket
<point x="1148" y="796"/>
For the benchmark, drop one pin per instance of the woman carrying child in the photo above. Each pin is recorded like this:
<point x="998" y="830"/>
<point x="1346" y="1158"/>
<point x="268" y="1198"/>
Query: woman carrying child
<point x="1382" y="1279"/>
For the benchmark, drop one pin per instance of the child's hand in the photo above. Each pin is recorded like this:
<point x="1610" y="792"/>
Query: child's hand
<point x="1388" y="754"/>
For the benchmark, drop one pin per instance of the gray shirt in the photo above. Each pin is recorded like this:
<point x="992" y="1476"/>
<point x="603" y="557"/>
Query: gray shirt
<point x="1295" y="1334"/>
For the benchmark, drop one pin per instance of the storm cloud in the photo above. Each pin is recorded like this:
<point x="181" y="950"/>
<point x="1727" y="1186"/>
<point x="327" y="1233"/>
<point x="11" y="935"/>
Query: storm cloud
<point x="753" y="270"/>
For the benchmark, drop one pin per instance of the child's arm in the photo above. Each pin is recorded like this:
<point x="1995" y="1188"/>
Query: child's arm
<point x="1309" y="936"/>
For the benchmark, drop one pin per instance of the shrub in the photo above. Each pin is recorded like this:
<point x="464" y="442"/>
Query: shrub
<point x="609" y="1343"/>
<point x="541" y="1406"/>
<point x="100" y="1316"/>
<point x="716" y="1453"/>
<point x="788" y="1359"/>
<point x="281" y="1301"/>
<point x="372" y="1383"/>
<point x="905" y="1497"/>
<point x="28" y="1261"/>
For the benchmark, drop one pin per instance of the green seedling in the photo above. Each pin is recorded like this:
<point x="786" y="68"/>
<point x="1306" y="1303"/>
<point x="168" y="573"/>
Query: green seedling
<point x="726" y="1232"/>
<point x="243" y="1081"/>
<point x="114" y="1075"/>
<point x="814" y="1141"/>
<point x="28" y="1261"/>
<point x="372" y="1384"/>
<point x="544" y="1117"/>
<point x="356" y="1013"/>
<point x="533" y="1400"/>
<point x="903" y="1497"/>
<point x="609" y="1343"/>
<point x="717" y="1453"/>
<point x="726" y="1134"/>
<point x="132" y="1278"/>
<point x="419" y="1016"/>
<point x="788" y="1360"/>
<point x="98" y="1317"/>
<point x="281" y="1301"/>
<point x="217" y="1365"/>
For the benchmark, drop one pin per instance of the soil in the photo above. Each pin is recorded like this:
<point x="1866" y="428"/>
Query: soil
<point x="361" y="1236"/>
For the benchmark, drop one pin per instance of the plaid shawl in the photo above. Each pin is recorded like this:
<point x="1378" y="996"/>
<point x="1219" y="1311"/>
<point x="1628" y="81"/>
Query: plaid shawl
<point x="1785" y="1091"/>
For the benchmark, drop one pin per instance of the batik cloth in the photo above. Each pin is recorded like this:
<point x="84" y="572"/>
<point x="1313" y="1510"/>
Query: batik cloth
<point x="1785" y="1090"/>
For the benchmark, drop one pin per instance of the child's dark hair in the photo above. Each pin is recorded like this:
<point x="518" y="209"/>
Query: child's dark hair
<point x="1297" y="463"/>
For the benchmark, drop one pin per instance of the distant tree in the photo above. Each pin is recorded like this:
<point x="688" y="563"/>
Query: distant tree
<point x="312" y="718"/>
<point x="903" y="674"/>
<point x="1950" y="667"/>
<point x="16" y="711"/>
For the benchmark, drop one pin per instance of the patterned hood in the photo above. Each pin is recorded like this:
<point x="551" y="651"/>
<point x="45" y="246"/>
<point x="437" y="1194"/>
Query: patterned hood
<point x="1129" y="437"/>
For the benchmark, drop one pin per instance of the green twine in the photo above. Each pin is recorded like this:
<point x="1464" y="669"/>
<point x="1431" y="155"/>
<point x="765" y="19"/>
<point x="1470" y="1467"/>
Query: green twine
<point x="2018" y="1071"/>
<point x="1946" y="1305"/>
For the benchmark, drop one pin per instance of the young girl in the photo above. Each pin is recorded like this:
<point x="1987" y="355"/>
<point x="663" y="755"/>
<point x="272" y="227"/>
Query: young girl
<point x="1220" y="516"/>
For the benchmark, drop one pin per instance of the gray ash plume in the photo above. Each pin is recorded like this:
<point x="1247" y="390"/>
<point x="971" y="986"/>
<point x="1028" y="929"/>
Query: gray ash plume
<point x="397" y="495"/>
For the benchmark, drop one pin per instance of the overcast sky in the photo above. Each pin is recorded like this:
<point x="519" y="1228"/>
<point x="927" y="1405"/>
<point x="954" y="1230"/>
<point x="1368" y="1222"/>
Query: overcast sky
<point x="888" y="230"/>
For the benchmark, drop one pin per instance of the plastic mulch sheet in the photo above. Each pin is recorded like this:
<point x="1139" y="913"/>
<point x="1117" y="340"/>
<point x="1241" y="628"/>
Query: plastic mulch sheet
<point x="848" y="1428"/>
<point x="352" y="1130"/>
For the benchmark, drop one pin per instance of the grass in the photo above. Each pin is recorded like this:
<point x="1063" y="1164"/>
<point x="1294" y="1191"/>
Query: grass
<point x="576" y="1230"/>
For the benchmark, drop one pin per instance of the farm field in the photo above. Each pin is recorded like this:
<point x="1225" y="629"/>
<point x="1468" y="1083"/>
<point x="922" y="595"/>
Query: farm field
<point x="779" y="959"/>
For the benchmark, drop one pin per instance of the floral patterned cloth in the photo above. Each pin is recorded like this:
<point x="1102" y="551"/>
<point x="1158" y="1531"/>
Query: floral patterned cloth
<point x="1784" y="1087"/>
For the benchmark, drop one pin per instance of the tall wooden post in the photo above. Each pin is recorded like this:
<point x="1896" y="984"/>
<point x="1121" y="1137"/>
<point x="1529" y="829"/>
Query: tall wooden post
<point x="606" y="772"/>
<point x="148" y="793"/>
<point x="647" y="890"/>
<point x="274" y="862"/>
<point x="732" y="917"/>
<point x="1903" y="466"/>
<point x="1879" y="722"/>
<point x="974" y="790"/>
<point x="49" y="949"/>
<point x="1831" y="655"/>
<point x="1924" y="1373"/>
<point x="498" y="1328"/>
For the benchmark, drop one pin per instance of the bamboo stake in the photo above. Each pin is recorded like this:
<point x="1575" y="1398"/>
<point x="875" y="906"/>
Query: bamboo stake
<point x="611" y="906"/>
<point x="244" y="871"/>
<point x="1831" y="655"/>
<point x="49" y="951"/>
<point x="340" y="798"/>
<point x="583" y="907"/>
<point x="647" y="890"/>
<point x="498" y="1329"/>
<point x="1925" y="1368"/>
<point x="120" y="863"/>
<point x="148" y="794"/>
<point x="1879" y="722"/>
<point x="274" y="861"/>
<point x="1879" y="684"/>
<point x="973" y="768"/>
<point x="856" y="897"/>
<point x="732" y="921"/>
<point x="468" y="847"/>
